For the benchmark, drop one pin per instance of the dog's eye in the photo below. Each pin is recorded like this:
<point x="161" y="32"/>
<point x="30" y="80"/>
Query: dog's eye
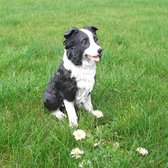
<point x="95" y="39"/>
<point x="84" y="41"/>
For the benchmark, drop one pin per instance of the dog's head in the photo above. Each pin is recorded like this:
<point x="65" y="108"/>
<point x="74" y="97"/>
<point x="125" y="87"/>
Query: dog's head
<point x="82" y="44"/>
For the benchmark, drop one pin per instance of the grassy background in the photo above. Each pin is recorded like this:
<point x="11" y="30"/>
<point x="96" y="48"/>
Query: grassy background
<point x="131" y="89"/>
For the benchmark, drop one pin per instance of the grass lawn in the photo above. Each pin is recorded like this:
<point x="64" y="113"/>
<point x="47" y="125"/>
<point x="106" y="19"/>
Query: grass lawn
<point x="131" y="88"/>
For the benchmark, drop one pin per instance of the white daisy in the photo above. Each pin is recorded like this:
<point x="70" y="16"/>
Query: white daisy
<point x="81" y="165"/>
<point x="142" y="151"/>
<point x="76" y="153"/>
<point x="116" y="144"/>
<point x="98" y="113"/>
<point x="85" y="163"/>
<point x="79" y="134"/>
<point x="96" y="144"/>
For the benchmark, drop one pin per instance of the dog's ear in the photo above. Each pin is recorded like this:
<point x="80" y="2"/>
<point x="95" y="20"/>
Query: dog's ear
<point x="70" y="32"/>
<point x="91" y="28"/>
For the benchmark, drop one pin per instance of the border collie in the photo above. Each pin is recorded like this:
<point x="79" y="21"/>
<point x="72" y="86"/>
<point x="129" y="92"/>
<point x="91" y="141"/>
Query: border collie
<point x="72" y="83"/>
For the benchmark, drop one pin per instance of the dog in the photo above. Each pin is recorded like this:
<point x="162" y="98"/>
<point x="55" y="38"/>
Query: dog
<point x="72" y="83"/>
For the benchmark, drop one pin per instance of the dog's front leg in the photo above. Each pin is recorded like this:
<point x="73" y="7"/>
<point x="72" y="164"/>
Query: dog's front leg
<point x="89" y="107"/>
<point x="73" y="119"/>
<point x="88" y="104"/>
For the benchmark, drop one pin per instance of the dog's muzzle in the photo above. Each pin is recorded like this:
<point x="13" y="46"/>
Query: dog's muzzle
<point x="96" y="58"/>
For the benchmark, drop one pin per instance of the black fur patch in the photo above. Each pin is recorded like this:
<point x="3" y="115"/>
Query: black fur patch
<point x="75" y="45"/>
<point x="61" y="86"/>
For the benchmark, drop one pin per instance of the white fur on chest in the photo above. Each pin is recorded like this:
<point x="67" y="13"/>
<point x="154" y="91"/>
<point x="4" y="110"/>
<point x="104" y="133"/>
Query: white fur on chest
<point x="85" y="78"/>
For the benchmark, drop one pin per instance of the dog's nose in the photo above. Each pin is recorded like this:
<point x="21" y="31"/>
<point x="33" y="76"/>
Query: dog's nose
<point x="100" y="51"/>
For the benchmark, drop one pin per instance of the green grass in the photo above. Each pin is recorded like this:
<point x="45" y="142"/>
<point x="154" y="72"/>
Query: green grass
<point x="131" y="89"/>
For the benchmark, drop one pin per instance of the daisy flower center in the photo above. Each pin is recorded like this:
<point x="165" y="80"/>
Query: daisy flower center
<point x="78" y="134"/>
<point x="98" y="114"/>
<point x="77" y="153"/>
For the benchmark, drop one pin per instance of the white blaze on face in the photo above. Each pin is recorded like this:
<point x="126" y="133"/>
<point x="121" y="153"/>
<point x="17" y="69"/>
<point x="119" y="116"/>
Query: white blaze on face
<point x="92" y="50"/>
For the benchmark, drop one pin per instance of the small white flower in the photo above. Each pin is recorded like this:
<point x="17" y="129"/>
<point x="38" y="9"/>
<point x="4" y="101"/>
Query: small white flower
<point x="76" y="153"/>
<point x="96" y="144"/>
<point x="116" y="144"/>
<point x="79" y="134"/>
<point x="81" y="165"/>
<point x="85" y="163"/>
<point x="98" y="113"/>
<point x="142" y="151"/>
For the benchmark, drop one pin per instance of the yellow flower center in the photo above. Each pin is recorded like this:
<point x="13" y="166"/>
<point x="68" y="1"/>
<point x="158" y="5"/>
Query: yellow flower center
<point x="98" y="114"/>
<point x="78" y="134"/>
<point x="76" y="152"/>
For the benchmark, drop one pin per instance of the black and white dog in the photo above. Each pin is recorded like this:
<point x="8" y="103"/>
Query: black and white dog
<point x="73" y="82"/>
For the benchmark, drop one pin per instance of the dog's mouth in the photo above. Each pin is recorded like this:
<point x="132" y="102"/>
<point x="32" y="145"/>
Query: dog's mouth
<point x="94" y="58"/>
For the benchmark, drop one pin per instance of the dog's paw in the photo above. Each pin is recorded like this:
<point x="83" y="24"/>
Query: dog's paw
<point x="73" y="124"/>
<point x="98" y="113"/>
<point x="60" y="115"/>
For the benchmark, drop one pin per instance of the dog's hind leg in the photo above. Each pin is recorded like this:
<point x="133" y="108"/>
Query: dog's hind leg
<point x="59" y="114"/>
<point x="53" y="103"/>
